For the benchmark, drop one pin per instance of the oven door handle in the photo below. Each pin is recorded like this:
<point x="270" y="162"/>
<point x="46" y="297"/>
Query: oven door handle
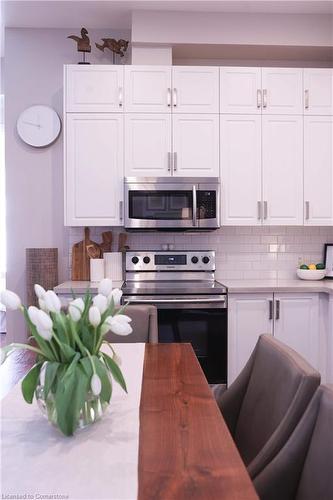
<point x="175" y="301"/>
<point x="194" y="208"/>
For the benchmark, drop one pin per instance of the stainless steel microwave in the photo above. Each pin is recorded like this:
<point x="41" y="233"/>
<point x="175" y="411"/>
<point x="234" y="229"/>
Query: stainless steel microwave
<point x="171" y="204"/>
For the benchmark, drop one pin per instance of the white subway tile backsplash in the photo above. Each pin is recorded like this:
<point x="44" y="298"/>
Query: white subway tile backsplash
<point x="241" y="252"/>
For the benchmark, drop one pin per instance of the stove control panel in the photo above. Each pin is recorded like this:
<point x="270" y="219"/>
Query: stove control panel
<point x="175" y="260"/>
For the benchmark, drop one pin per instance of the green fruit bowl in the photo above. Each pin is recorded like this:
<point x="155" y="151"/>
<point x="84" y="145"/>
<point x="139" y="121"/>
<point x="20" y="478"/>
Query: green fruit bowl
<point x="311" y="274"/>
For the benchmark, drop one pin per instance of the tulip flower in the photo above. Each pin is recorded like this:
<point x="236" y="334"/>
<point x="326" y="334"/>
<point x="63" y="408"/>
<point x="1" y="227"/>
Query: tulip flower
<point x="44" y="322"/>
<point x="101" y="302"/>
<point x="116" y="294"/>
<point x="2" y="356"/>
<point x="39" y="291"/>
<point x="10" y="300"/>
<point x="33" y="313"/>
<point x="45" y="334"/>
<point x="119" y="324"/>
<point x="96" y="385"/>
<point x="105" y="287"/>
<point x="94" y="316"/>
<point x="42" y="305"/>
<point x="52" y="301"/>
<point x="75" y="309"/>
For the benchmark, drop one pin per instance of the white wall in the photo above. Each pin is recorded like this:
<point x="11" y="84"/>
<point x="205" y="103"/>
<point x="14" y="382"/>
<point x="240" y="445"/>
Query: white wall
<point x="33" y="73"/>
<point x="228" y="28"/>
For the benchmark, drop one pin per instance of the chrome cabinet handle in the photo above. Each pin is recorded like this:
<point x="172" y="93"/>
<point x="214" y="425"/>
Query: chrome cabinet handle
<point x="265" y="209"/>
<point x="259" y="210"/>
<point x="120" y="96"/>
<point x="169" y="97"/>
<point x="169" y="162"/>
<point x="306" y="98"/>
<point x="194" y="206"/>
<point x="264" y="98"/>
<point x="307" y="210"/>
<point x="259" y="98"/>
<point x="174" y="100"/>
<point x="175" y="166"/>
<point x="270" y="302"/>
<point x="120" y="210"/>
<point x="277" y="309"/>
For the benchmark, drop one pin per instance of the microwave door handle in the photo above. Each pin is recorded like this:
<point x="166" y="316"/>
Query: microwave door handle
<point x="194" y="207"/>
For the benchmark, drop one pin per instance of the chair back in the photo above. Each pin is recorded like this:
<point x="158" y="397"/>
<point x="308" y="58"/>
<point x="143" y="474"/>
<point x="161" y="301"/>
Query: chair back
<point x="144" y="324"/>
<point x="277" y="386"/>
<point x="303" y="469"/>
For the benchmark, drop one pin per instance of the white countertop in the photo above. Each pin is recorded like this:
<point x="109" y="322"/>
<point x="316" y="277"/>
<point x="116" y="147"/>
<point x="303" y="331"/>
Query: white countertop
<point x="234" y="286"/>
<point x="294" y="285"/>
<point x="81" y="287"/>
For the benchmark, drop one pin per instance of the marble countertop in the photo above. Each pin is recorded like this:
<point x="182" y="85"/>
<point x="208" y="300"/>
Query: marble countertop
<point x="234" y="286"/>
<point x="293" y="285"/>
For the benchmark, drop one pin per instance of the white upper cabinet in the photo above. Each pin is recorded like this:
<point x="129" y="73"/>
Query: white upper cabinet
<point x="148" y="89"/>
<point x="282" y="91"/>
<point x="282" y="150"/>
<point x="196" y="145"/>
<point x="195" y="89"/>
<point x="297" y="324"/>
<point x="318" y="91"/>
<point x="148" y="144"/>
<point x="240" y="90"/>
<point x="318" y="170"/>
<point x="94" y="169"/>
<point x="241" y="169"/>
<point x="94" y="88"/>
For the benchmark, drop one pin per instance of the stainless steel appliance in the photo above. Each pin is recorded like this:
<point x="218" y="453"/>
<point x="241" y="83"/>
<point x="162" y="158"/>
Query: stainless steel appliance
<point x="172" y="203"/>
<point x="192" y="305"/>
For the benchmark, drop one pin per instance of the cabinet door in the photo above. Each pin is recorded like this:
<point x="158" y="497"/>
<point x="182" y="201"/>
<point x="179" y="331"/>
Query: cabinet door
<point x="241" y="169"/>
<point x="249" y="316"/>
<point x="318" y="91"/>
<point x="95" y="88"/>
<point x="240" y="90"/>
<point x="94" y="169"/>
<point x="147" y="144"/>
<point x="148" y="89"/>
<point x="282" y="91"/>
<point x="318" y="171"/>
<point x="297" y="324"/>
<point x="282" y="151"/>
<point x="195" y="89"/>
<point x="196" y="145"/>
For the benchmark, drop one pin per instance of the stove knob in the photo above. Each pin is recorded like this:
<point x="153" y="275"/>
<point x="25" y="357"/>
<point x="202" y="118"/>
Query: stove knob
<point x="194" y="260"/>
<point x="146" y="260"/>
<point x="205" y="260"/>
<point x="135" y="260"/>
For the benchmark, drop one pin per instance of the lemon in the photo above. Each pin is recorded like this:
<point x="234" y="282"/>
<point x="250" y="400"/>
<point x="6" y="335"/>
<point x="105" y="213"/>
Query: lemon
<point x="312" y="266"/>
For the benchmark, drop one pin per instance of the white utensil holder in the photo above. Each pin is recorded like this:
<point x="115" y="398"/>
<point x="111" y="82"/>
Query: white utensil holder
<point x="96" y="269"/>
<point x="113" y="265"/>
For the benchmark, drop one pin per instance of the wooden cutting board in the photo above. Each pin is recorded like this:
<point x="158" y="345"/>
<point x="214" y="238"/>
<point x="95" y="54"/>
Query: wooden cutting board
<point x="81" y="259"/>
<point x="107" y="241"/>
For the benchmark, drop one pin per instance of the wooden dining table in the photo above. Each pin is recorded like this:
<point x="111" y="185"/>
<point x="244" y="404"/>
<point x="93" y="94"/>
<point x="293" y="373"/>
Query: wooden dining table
<point x="185" y="448"/>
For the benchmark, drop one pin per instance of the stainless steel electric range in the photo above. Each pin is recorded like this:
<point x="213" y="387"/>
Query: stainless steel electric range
<point x="192" y="305"/>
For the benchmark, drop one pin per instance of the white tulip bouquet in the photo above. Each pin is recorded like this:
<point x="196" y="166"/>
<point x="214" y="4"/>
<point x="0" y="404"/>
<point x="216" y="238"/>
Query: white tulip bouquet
<point x="72" y="376"/>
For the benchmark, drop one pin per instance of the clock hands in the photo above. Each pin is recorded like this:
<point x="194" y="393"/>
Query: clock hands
<point x="31" y="123"/>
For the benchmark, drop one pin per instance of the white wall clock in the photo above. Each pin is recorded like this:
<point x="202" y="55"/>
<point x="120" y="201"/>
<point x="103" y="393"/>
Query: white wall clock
<point x="38" y="126"/>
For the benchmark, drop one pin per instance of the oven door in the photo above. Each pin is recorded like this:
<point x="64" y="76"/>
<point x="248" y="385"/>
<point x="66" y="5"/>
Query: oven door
<point x="160" y="206"/>
<point x="200" y="321"/>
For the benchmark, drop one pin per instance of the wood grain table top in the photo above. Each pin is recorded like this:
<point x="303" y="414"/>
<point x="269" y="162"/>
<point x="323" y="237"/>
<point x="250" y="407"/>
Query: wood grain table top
<point x="185" y="448"/>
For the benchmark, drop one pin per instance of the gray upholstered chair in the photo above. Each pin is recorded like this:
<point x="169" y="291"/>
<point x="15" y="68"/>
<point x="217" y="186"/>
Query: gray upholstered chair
<point x="265" y="403"/>
<point x="144" y="324"/>
<point x="303" y="470"/>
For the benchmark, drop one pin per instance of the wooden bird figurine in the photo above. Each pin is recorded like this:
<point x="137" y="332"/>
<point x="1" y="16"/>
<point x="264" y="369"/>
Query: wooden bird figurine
<point x="116" y="46"/>
<point x="83" y="43"/>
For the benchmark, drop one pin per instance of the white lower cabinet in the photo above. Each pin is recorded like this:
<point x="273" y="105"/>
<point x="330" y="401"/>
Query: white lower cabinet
<point x="292" y="318"/>
<point x="94" y="169"/>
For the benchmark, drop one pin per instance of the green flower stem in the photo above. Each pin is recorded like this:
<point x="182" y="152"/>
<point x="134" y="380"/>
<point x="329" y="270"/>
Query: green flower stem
<point x="58" y="342"/>
<point x="108" y="343"/>
<point x="25" y="346"/>
<point x="53" y="349"/>
<point x="91" y="361"/>
<point x="63" y="324"/>
<point x="77" y="339"/>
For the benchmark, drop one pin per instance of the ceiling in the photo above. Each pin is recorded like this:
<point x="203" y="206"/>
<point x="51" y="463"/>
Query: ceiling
<point x="117" y="14"/>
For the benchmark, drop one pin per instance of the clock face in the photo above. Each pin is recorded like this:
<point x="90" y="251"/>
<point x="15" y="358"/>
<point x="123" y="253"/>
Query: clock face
<point x="38" y="126"/>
